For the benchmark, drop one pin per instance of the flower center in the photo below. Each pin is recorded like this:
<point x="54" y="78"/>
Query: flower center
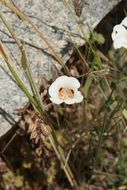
<point x="66" y="93"/>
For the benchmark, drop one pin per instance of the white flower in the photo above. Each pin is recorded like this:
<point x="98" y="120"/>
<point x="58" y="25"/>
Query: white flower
<point x="119" y="35"/>
<point x="124" y="22"/>
<point x="65" y="89"/>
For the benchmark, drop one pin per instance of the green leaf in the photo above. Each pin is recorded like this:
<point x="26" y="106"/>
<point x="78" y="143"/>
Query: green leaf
<point x="125" y="113"/>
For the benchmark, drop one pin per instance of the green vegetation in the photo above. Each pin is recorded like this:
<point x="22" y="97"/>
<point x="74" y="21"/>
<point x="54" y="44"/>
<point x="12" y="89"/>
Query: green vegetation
<point x="79" y="146"/>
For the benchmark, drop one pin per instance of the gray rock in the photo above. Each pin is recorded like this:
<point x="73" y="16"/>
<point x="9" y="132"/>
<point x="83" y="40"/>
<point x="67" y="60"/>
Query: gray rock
<point x="57" y="20"/>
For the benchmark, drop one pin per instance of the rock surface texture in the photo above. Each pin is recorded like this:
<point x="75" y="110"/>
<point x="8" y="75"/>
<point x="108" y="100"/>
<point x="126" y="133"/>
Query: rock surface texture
<point x="57" y="20"/>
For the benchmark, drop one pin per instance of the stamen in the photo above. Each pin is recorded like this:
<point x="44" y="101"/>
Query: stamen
<point x="65" y="93"/>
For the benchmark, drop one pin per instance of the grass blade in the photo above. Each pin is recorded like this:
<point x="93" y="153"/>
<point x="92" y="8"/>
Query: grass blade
<point x="24" y="17"/>
<point x="20" y="83"/>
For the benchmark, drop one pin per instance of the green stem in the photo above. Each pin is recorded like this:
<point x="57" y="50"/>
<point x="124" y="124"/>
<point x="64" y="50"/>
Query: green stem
<point x="60" y="154"/>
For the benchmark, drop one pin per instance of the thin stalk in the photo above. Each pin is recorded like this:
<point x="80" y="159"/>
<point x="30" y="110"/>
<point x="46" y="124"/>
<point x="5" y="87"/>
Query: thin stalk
<point x="25" y="68"/>
<point x="9" y="27"/>
<point x="8" y="143"/>
<point x="24" y="62"/>
<point x="87" y="85"/>
<point x="101" y="135"/>
<point x="80" y="53"/>
<point x="60" y="154"/>
<point x="36" y="101"/>
<point x="30" y="79"/>
<point x="97" y="58"/>
<point x="24" y="17"/>
<point x="82" y="32"/>
<point x="53" y="138"/>
<point x="15" y="75"/>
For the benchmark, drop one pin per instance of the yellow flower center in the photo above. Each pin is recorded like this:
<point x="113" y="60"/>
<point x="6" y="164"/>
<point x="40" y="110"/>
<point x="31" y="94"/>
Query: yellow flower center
<point x="66" y="93"/>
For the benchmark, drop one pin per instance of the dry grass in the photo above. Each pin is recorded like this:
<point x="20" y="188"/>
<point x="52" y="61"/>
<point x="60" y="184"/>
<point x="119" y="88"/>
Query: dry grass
<point x="92" y="134"/>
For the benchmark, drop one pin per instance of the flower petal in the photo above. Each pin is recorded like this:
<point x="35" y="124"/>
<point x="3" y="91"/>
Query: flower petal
<point x="73" y="83"/>
<point x="120" y="43"/>
<point x="119" y="32"/>
<point x="67" y="82"/>
<point x="119" y="36"/>
<point x="54" y="88"/>
<point x="70" y="101"/>
<point x="56" y="100"/>
<point x="124" y="21"/>
<point x="78" y="97"/>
